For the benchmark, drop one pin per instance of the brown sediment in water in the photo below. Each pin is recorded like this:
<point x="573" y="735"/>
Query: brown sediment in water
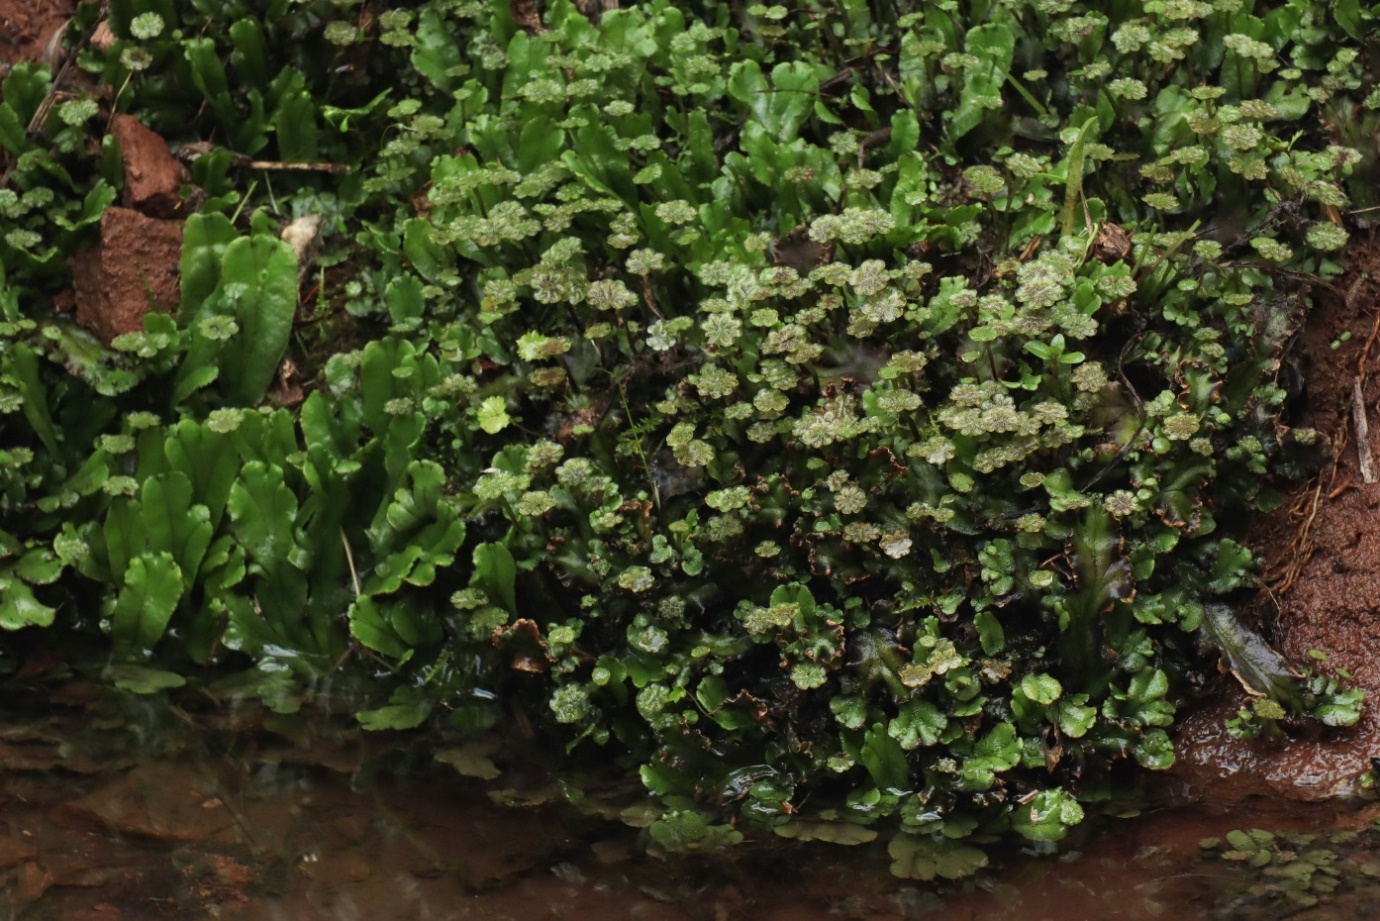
<point x="1321" y="554"/>
<point x="297" y="841"/>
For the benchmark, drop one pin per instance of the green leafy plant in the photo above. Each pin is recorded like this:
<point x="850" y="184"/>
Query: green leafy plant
<point x="833" y="416"/>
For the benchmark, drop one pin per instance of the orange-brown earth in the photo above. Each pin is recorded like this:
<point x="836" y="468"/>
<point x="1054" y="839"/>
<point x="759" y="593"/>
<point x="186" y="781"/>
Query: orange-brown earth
<point x="1320" y="586"/>
<point x="29" y="29"/>
<point x="141" y="811"/>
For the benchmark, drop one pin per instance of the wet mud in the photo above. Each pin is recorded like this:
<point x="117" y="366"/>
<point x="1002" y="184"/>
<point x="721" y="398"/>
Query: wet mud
<point x="123" y="809"/>
<point x="1320" y="582"/>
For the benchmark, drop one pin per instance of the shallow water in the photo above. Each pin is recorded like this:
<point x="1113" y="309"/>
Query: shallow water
<point x="148" y="811"/>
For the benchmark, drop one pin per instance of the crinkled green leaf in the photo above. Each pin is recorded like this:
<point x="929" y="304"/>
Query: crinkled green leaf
<point x="39" y="566"/>
<point x="435" y="53"/>
<point x="493" y="415"/>
<point x="294" y="123"/>
<point x="262" y="271"/>
<point x="262" y="511"/>
<point x="172" y="522"/>
<point x="495" y="572"/>
<point x="22" y="362"/>
<point x="1048" y="816"/>
<point x="884" y="759"/>
<point x="919" y="722"/>
<point x="145" y="604"/>
<point x="1041" y="688"/>
<point x="368" y="625"/>
<point x="207" y="459"/>
<point x="19" y="608"/>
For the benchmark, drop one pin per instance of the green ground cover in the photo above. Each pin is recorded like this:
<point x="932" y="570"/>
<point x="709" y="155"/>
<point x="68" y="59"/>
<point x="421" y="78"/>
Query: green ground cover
<point x="841" y="414"/>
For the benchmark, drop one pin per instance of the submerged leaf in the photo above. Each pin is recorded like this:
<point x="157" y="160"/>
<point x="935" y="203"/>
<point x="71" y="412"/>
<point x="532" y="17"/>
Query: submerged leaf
<point x="469" y="762"/>
<point x="140" y="679"/>
<point x="395" y="716"/>
<point x="833" y="832"/>
<point x="924" y="858"/>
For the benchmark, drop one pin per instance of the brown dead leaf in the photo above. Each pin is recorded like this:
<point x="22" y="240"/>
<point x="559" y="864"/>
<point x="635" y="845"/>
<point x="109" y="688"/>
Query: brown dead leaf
<point x="286" y="391"/>
<point x="525" y="15"/>
<point x="1113" y="243"/>
<point x="797" y="251"/>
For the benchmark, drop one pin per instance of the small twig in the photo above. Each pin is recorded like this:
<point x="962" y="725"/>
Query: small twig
<point x="281" y="165"/>
<point x="115" y="103"/>
<point x="189" y="153"/>
<point x="350" y="558"/>
<point x="649" y="298"/>
<point x="842" y="76"/>
<point x="1358" y="417"/>
<point x="354" y="578"/>
<point x="55" y="88"/>
<point x="41" y="113"/>
<point x="1370" y="343"/>
<point x="273" y="203"/>
<point x="880" y="136"/>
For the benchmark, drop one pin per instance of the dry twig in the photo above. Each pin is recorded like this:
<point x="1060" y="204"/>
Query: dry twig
<point x="1358" y="416"/>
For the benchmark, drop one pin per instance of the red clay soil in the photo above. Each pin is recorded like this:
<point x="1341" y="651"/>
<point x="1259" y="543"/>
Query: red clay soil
<point x="28" y="28"/>
<point x="131" y="271"/>
<point x="1321" y="553"/>
<point x="152" y="174"/>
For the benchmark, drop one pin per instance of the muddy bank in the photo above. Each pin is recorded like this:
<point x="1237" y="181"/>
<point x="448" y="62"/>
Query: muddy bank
<point x="1320" y="587"/>
<point x="247" y="816"/>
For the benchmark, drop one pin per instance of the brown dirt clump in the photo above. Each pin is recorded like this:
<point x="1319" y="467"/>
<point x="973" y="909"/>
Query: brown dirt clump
<point x="29" y="28"/>
<point x="132" y="271"/>
<point x="152" y="174"/>
<point x="1321" y="554"/>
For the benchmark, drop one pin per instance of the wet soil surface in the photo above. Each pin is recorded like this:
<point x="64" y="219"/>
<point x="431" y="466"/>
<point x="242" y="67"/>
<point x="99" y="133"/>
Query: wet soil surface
<point x="29" y="29"/>
<point x="1320" y="586"/>
<point x="129" y="809"/>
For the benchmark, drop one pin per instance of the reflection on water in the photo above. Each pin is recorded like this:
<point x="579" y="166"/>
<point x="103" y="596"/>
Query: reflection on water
<point x="158" y="813"/>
